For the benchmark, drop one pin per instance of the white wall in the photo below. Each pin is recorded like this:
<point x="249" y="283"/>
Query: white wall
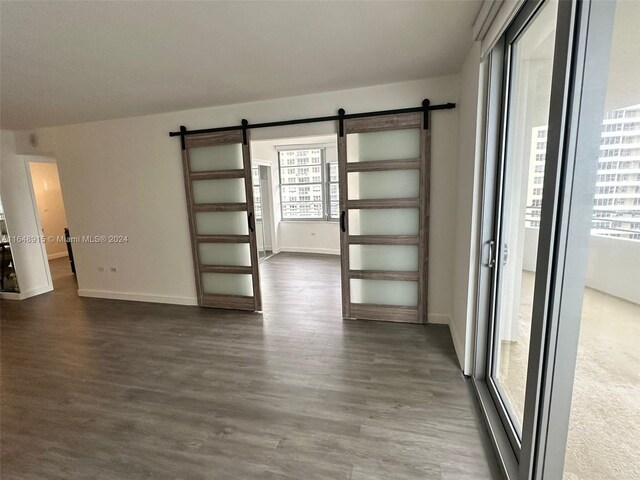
<point x="124" y="177"/>
<point x="612" y="265"/>
<point x="32" y="268"/>
<point x="467" y="201"/>
<point x="530" y="249"/>
<point x="46" y="188"/>
<point x="310" y="237"/>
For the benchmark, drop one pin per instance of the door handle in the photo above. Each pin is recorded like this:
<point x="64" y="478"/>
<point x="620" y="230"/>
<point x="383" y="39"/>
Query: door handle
<point x="491" y="261"/>
<point x="250" y="219"/>
<point x="343" y="226"/>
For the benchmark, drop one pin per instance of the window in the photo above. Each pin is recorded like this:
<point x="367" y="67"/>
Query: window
<point x="613" y="127"/>
<point x="308" y="185"/>
<point x="610" y="140"/>
<point x="608" y="165"/>
<point x="614" y="114"/>
<point x="614" y="152"/>
<point x="334" y="198"/>
<point x="632" y="113"/>
<point x="257" y="196"/>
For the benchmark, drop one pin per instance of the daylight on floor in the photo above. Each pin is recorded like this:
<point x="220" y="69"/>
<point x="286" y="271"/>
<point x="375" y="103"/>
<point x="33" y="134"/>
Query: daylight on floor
<point x="343" y="240"/>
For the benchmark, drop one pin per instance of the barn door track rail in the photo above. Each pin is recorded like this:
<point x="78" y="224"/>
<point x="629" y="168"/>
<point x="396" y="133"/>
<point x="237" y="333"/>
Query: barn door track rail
<point x="425" y="108"/>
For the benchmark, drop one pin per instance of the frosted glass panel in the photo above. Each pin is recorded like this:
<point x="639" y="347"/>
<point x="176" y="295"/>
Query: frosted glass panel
<point x="388" y="184"/>
<point x="236" y="254"/>
<point x="222" y="223"/>
<point x="227" y="283"/>
<point x="391" y="221"/>
<point x="384" y="292"/>
<point x="216" y="157"/>
<point x="387" y="145"/>
<point x="383" y="257"/>
<point x="219" y="191"/>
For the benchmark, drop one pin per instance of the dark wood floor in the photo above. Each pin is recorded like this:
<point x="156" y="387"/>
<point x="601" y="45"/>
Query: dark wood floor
<point x="102" y="389"/>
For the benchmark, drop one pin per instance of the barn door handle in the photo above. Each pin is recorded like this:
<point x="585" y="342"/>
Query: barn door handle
<point x="343" y="226"/>
<point x="250" y="219"/>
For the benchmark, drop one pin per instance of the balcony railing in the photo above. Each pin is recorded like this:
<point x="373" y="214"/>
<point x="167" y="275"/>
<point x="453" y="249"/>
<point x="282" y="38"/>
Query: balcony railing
<point x="619" y="223"/>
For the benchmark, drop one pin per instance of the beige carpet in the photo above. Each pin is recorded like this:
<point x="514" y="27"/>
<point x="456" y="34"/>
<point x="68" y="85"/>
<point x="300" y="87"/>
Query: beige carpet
<point x="604" y="432"/>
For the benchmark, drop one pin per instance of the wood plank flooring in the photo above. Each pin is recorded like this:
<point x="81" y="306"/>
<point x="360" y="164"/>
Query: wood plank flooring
<point x="103" y="389"/>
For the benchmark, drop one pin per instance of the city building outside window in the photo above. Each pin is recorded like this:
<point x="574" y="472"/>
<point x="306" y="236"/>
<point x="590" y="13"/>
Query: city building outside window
<point x="308" y="185"/>
<point x="617" y="191"/>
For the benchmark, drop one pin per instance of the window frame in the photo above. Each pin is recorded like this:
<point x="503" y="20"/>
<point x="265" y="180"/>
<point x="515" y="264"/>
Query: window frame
<point x="325" y="185"/>
<point x="328" y="182"/>
<point x="257" y="199"/>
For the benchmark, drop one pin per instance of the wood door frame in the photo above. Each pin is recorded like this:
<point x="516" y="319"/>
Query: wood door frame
<point x="240" y="302"/>
<point x="393" y="313"/>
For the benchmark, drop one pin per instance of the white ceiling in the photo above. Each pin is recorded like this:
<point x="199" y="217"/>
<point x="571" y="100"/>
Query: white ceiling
<point x="69" y="62"/>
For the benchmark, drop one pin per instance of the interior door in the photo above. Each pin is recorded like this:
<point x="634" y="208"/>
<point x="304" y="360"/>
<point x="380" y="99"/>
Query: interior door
<point x="218" y="185"/>
<point x="384" y="191"/>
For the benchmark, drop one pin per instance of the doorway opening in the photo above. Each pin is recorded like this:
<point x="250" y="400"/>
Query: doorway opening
<point x="295" y="189"/>
<point x="52" y="218"/>
<point x="262" y="200"/>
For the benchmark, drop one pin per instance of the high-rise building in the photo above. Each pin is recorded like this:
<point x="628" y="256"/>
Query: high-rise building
<point x="616" y="205"/>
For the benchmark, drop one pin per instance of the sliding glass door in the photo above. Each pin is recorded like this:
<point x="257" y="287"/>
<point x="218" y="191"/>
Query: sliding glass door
<point x="599" y="320"/>
<point x="558" y="306"/>
<point x="528" y="68"/>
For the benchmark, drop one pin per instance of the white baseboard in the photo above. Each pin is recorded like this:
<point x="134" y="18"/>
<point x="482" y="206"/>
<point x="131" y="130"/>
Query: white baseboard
<point x="53" y="256"/>
<point x="138" y="297"/>
<point x="37" y="291"/>
<point x="10" y="296"/>
<point x="322" y="251"/>
<point x="458" y="345"/>
<point x="438" y="318"/>
<point x="28" y="294"/>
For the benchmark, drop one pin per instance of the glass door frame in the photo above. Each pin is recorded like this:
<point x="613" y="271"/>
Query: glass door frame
<point x="580" y="99"/>
<point x="499" y="90"/>
<point x="562" y="249"/>
<point x="502" y="191"/>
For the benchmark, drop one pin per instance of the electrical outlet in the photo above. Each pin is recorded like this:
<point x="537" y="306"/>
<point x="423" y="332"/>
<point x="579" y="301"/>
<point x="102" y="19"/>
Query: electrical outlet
<point x="113" y="269"/>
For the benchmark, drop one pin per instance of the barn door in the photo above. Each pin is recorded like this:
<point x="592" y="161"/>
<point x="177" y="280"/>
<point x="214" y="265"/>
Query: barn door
<point x="217" y="174"/>
<point x="384" y="201"/>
